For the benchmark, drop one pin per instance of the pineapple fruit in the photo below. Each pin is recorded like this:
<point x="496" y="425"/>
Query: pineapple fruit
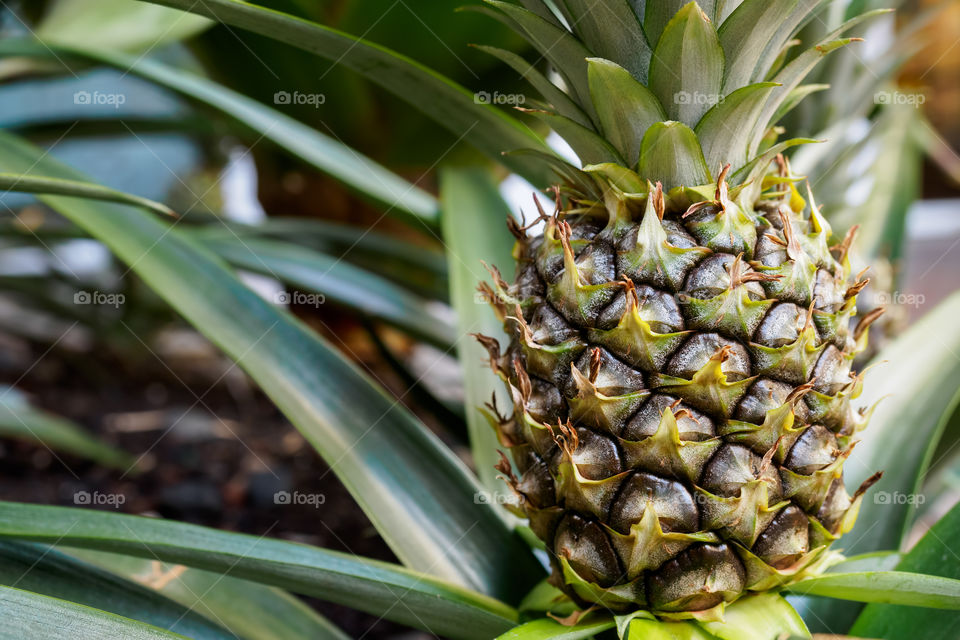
<point x="681" y="343"/>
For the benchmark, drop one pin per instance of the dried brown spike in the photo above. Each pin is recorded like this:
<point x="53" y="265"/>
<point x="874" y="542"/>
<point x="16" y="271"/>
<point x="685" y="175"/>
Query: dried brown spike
<point x="768" y="457"/>
<point x="869" y="482"/>
<point x="794" y="396"/>
<point x="721" y="192"/>
<point x="493" y="350"/>
<point x="658" y="203"/>
<point x="793" y="245"/>
<point x="568" y="439"/>
<point x="523" y="380"/>
<point x="866" y="321"/>
<point x="841" y="250"/>
<point x="596" y="359"/>
<point x="858" y="285"/>
<point x="503" y="466"/>
<point x="739" y="275"/>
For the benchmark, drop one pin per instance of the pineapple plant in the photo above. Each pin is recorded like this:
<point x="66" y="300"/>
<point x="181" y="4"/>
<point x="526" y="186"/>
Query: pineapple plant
<point x="681" y="343"/>
<point x="680" y="332"/>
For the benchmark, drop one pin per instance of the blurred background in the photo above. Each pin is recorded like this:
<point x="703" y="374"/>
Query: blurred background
<point x="128" y="400"/>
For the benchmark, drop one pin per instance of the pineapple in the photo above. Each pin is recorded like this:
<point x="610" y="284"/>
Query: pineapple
<point x="680" y="349"/>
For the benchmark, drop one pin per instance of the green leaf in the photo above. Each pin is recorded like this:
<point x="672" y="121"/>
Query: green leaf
<point x="20" y="420"/>
<point x="875" y="561"/>
<point x="565" y="52"/>
<point x="763" y="616"/>
<point x="487" y="128"/>
<point x="320" y="151"/>
<point x="116" y="24"/>
<point x="29" y="616"/>
<point x="744" y="37"/>
<point x="658" y="14"/>
<point x="625" y="108"/>
<point x="611" y="30"/>
<point x="548" y="629"/>
<point x="339" y="282"/>
<point x="687" y="66"/>
<point x="589" y="147"/>
<point x="891" y="587"/>
<point x="671" y="154"/>
<point x="934" y="554"/>
<point x="47" y="572"/>
<point x="726" y="129"/>
<point x="35" y="184"/>
<point x="920" y="371"/>
<point x="367" y="585"/>
<point x="560" y="101"/>
<point x="416" y="492"/>
<point x="250" y="610"/>
<point x="474" y="229"/>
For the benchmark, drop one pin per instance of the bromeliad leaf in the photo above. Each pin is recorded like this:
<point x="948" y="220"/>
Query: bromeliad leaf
<point x="485" y="127"/>
<point x="671" y="152"/>
<point x="589" y="147"/>
<point x="934" y="554"/>
<point x="78" y="188"/>
<point x="723" y="141"/>
<point x="625" y="108"/>
<point x="758" y="617"/>
<point x="376" y="587"/>
<point x="30" y="616"/>
<point x="340" y="282"/>
<point x="611" y="30"/>
<point x="420" y="497"/>
<point x="890" y="587"/>
<point x="47" y="572"/>
<point x="745" y="35"/>
<point x="686" y="71"/>
<point x="549" y="629"/>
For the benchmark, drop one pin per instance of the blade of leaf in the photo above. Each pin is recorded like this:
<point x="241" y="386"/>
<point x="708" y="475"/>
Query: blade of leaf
<point x="321" y="151"/>
<point x="876" y="561"/>
<point x="589" y="147"/>
<point x="890" y="587"/>
<point x="474" y="229"/>
<point x="548" y="629"/>
<point x="20" y="420"/>
<point x="687" y="66"/>
<point x="625" y="108"/>
<point x="252" y="611"/>
<point x="744" y="36"/>
<point x="47" y="572"/>
<point x="416" y="492"/>
<point x="376" y="587"/>
<point x="487" y="128"/>
<point x="934" y="554"/>
<point x="726" y="129"/>
<point x="30" y="616"/>
<point x="671" y="154"/>
<point x="612" y="31"/>
<point x="340" y="282"/>
<point x="32" y="184"/>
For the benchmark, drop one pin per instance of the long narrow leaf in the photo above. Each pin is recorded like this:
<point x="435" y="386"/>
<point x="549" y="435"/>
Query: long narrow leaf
<point x="376" y="587"/>
<point x="416" y="492"/>
<point x="891" y="587"/>
<point x="29" y="616"/>
<point x="33" y="184"/>
<point x="484" y="126"/>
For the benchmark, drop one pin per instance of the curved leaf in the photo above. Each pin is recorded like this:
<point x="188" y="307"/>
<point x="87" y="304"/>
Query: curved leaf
<point x="671" y="154"/>
<point x="744" y="36"/>
<point x="934" y="554"/>
<point x="250" y="610"/>
<point x="416" y="492"/>
<point x="321" y="151"/>
<point x="549" y="629"/>
<point x="762" y="616"/>
<point x="589" y="147"/>
<point x="612" y="30"/>
<point x="29" y="616"/>
<point x="725" y="130"/>
<point x="340" y="282"/>
<point x="37" y="184"/>
<point x="891" y="587"/>
<point x="368" y="585"/>
<point x="482" y="125"/>
<point x="47" y="572"/>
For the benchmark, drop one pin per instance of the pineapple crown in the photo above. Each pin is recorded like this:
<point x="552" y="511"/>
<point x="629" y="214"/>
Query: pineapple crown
<point x="663" y="92"/>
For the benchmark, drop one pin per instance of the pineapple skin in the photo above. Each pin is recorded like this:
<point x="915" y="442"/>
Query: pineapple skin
<point x="680" y="373"/>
